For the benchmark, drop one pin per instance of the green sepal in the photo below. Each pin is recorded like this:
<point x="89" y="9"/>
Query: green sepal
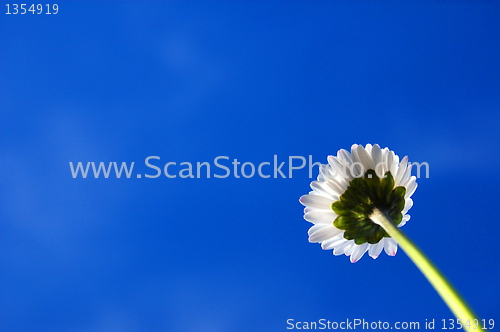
<point x="358" y="202"/>
<point x="339" y="208"/>
<point x="387" y="186"/>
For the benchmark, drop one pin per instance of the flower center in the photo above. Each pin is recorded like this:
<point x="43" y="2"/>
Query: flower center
<point x="358" y="202"/>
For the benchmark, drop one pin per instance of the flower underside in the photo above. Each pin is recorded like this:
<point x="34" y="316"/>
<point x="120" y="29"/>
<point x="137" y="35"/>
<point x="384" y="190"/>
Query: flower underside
<point x="358" y="202"/>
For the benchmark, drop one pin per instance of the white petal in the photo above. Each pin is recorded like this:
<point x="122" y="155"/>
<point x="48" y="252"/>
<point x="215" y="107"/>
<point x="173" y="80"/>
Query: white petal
<point x="316" y="228"/>
<point x="333" y="242"/>
<point x="335" y="187"/>
<point x="358" y="252"/>
<point x="385" y="155"/>
<point x="345" y="157"/>
<point x="378" y="161"/>
<point x="408" y="205"/>
<point x="342" y="248"/>
<point x="408" y="181"/>
<point x="316" y="201"/>
<point x="362" y="156"/>
<point x="394" y="163"/>
<point x="401" y="171"/>
<point x="323" y="189"/>
<point x="368" y="148"/>
<point x="389" y="161"/>
<point x="335" y="164"/>
<point x="342" y="182"/>
<point x="411" y="187"/>
<point x="320" y="216"/>
<point x="376" y="248"/>
<point x="406" y="176"/>
<point x="356" y="170"/>
<point x="309" y="209"/>
<point x="390" y="246"/>
<point x="376" y="154"/>
<point x="351" y="249"/>
<point x="326" y="171"/>
<point x="406" y="217"/>
<point x="324" y="234"/>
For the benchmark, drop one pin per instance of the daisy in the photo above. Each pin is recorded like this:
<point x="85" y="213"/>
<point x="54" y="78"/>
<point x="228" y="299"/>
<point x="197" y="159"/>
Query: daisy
<point x="358" y="204"/>
<point x="350" y="192"/>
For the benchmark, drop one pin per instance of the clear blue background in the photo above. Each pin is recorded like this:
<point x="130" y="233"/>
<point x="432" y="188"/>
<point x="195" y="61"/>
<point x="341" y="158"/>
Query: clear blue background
<point x="190" y="81"/>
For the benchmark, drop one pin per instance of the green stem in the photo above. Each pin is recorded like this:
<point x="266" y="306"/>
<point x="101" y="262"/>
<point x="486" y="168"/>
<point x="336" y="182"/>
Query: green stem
<point x="450" y="296"/>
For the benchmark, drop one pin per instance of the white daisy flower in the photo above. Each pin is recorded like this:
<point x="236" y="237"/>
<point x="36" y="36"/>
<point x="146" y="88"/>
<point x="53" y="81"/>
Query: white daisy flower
<point x="349" y="189"/>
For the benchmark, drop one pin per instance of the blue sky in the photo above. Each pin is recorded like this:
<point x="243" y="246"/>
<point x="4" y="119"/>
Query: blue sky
<point x="190" y="81"/>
